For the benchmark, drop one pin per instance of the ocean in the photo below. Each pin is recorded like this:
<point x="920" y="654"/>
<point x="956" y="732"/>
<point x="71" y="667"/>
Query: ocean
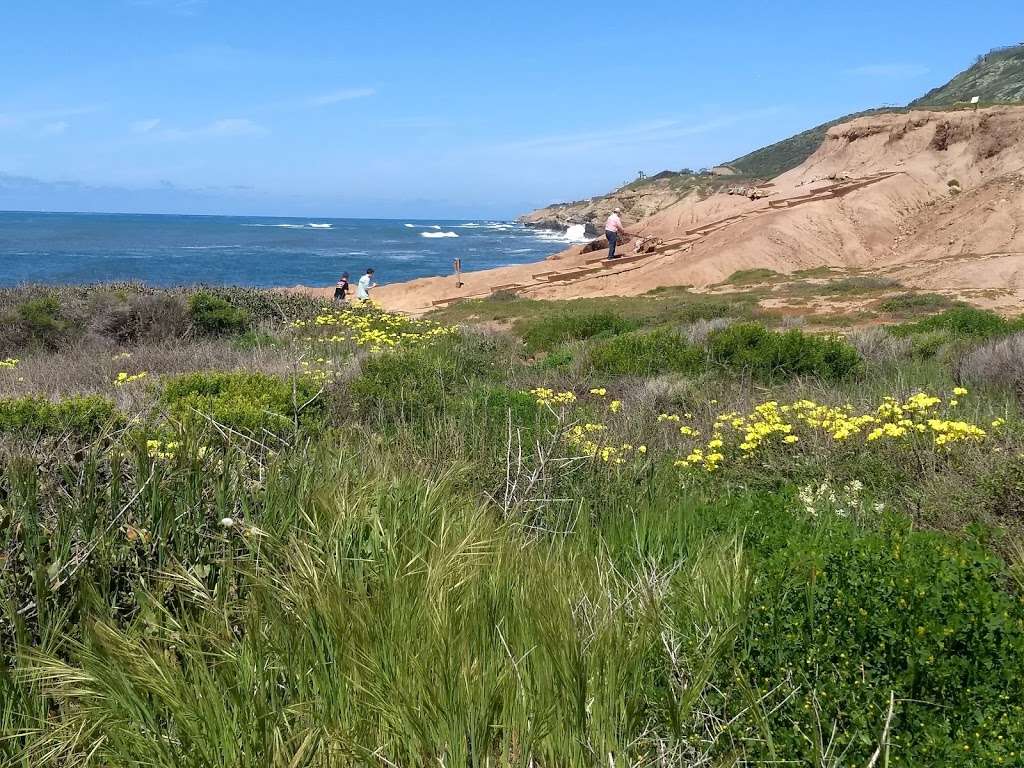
<point x="255" y="251"/>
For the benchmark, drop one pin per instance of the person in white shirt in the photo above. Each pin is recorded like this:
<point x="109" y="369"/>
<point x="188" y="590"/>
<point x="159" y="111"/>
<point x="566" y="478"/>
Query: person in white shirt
<point x="612" y="229"/>
<point x="364" y="285"/>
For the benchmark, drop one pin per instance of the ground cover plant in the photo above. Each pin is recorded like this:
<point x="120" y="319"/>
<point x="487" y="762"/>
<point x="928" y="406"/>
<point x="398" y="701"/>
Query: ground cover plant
<point x="668" y="536"/>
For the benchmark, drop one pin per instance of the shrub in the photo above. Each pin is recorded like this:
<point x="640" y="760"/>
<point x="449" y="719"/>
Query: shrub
<point x="142" y="318"/>
<point x="418" y="381"/>
<point x="214" y="316"/>
<point x="961" y="322"/>
<point x="645" y="354"/>
<point x="250" y="403"/>
<point x="915" y="303"/>
<point x="548" y="332"/>
<point x="263" y="306"/>
<point x="859" y="284"/>
<point x="999" y="362"/>
<point x="697" y="332"/>
<point x="493" y="408"/>
<point x="36" y="321"/>
<point x="753" y="348"/>
<point x="560" y="358"/>
<point x="878" y="346"/>
<point x="853" y="616"/>
<point x="752" y="276"/>
<point x="82" y="417"/>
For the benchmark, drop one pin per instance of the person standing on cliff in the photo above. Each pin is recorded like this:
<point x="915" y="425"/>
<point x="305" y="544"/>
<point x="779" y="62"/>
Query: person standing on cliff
<point x="612" y="229"/>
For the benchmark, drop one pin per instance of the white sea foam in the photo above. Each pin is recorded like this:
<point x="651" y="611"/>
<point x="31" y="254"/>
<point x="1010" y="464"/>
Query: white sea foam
<point x="292" y="226"/>
<point x="423" y="226"/>
<point x="439" y="234"/>
<point x="207" y="247"/>
<point x="577" y="233"/>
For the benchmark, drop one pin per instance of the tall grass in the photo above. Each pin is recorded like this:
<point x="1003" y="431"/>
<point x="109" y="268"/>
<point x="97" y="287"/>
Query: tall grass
<point x="425" y="575"/>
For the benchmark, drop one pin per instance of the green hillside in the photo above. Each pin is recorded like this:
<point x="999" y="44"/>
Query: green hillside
<point x="998" y="76"/>
<point x="780" y="157"/>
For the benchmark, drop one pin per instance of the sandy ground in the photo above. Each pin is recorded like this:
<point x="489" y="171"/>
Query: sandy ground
<point x="932" y="199"/>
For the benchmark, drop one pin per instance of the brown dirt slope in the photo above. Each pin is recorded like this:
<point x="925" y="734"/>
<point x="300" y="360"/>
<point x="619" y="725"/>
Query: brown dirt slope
<point x="934" y="199"/>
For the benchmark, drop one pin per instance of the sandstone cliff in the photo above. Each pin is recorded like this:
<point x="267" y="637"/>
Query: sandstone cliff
<point x="934" y="199"/>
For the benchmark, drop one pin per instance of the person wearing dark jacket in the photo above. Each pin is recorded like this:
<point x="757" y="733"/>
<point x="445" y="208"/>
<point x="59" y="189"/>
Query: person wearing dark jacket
<point x="341" y="289"/>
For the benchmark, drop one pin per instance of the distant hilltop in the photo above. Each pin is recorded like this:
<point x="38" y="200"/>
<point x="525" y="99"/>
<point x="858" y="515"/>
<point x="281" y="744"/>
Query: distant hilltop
<point x="996" y="77"/>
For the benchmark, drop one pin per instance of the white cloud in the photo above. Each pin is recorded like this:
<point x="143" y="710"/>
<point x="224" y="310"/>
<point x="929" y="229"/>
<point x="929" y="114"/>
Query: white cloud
<point x="217" y="129"/>
<point x="343" y="95"/>
<point x="145" y="126"/>
<point x="55" y="129"/>
<point x="50" y="116"/>
<point x="888" y="70"/>
<point x="650" y="132"/>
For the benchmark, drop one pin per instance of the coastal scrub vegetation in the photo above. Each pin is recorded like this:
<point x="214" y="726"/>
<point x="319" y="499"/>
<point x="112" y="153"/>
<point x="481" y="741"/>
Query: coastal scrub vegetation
<point x="651" y="533"/>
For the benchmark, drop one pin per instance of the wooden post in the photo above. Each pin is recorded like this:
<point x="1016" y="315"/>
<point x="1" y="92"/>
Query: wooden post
<point x="458" y="273"/>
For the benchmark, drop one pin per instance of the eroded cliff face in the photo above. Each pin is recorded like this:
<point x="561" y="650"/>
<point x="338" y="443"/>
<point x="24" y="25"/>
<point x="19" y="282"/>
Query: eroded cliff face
<point x="933" y="199"/>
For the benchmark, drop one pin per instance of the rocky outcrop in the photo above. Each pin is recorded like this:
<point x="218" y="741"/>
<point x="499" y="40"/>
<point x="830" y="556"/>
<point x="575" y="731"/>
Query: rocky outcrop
<point x="636" y="201"/>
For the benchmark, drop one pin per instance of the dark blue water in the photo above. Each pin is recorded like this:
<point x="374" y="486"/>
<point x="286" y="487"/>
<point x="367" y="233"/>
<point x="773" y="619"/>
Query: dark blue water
<point x="172" y="250"/>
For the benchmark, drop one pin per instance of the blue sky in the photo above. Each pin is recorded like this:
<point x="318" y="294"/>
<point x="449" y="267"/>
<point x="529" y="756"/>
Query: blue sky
<point x="463" y="108"/>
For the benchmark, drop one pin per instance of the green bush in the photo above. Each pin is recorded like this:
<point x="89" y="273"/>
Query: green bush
<point x="928" y="344"/>
<point x="35" y="321"/>
<point x="82" y="417"/>
<point x="214" y="316"/>
<point x="263" y="306"/>
<point x="767" y="354"/>
<point x="962" y="322"/>
<point x="418" y="381"/>
<point x="250" y="403"/>
<point x="645" y="354"/>
<point x="560" y="358"/>
<point x="915" y="303"/>
<point x="849" y="617"/>
<point x="752" y="276"/>
<point x="548" y="332"/>
<point x="491" y="410"/>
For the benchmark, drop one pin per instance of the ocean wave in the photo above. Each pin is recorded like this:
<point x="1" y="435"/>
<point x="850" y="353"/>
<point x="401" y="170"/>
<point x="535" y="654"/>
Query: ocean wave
<point x="439" y="234"/>
<point x="485" y="225"/>
<point x="423" y="226"/>
<point x="292" y="226"/>
<point x="577" y="233"/>
<point x="207" y="247"/>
